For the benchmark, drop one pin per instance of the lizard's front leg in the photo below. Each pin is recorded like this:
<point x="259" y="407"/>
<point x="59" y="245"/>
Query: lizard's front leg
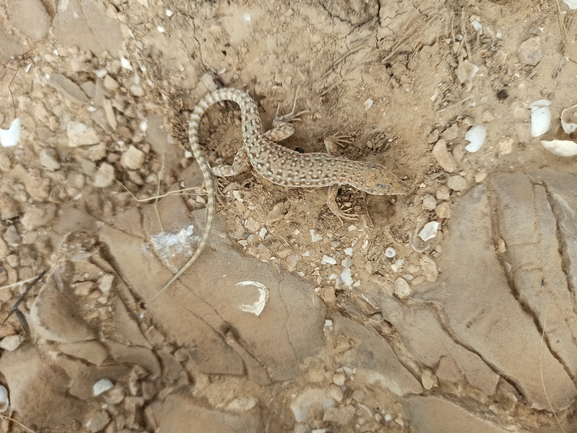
<point x="332" y="204"/>
<point x="241" y="164"/>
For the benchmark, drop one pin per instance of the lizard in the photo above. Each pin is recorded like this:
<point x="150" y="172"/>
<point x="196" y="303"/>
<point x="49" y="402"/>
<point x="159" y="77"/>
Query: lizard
<point x="280" y="165"/>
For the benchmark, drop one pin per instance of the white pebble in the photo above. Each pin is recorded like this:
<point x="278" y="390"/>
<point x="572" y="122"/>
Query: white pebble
<point x="101" y="386"/>
<point x="402" y="288"/>
<point x="314" y="236"/>
<point x="326" y="260"/>
<point x="346" y="277"/>
<point x="9" y="137"/>
<point x="106" y="283"/>
<point x="476" y="137"/>
<point x="540" y="117"/>
<point x="4" y="401"/>
<point x="10" y="343"/>
<point x="560" y="147"/>
<point x="368" y="104"/>
<point x="125" y="63"/>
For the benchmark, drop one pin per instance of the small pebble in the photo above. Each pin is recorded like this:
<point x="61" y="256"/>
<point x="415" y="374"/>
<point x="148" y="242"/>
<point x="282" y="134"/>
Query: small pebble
<point x="457" y="183"/>
<point x="101" y="386"/>
<point x="459" y="152"/>
<point x="480" y="175"/>
<point x="443" y="193"/>
<point x="80" y="134"/>
<point x="390" y="252"/>
<point x="111" y="84"/>
<point x="137" y="91"/>
<point x="487" y="116"/>
<point x="476" y="137"/>
<point x="315" y="237"/>
<point x="49" y="159"/>
<point x="443" y="157"/>
<point x="429" y="268"/>
<point x="428" y="379"/>
<point x="339" y="379"/>
<point x="443" y="211"/>
<point x="326" y="260"/>
<point x="451" y="132"/>
<point x="10" y="343"/>
<point x="104" y="176"/>
<point x="505" y="145"/>
<point x="429" y="202"/>
<point x="402" y="288"/>
<point x="133" y="158"/>
<point x="529" y="52"/>
<point x="12" y="236"/>
<point x="106" y="283"/>
<point x="98" y="421"/>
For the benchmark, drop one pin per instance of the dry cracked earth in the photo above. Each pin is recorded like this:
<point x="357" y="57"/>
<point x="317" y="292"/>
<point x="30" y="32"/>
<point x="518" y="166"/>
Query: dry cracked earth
<point x="290" y="320"/>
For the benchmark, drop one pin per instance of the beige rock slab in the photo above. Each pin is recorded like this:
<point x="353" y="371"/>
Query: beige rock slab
<point x="85" y="23"/>
<point x="30" y="17"/>
<point x="423" y="335"/>
<point x="374" y="358"/>
<point x="198" y="310"/>
<point x="55" y="315"/>
<point x="482" y="313"/>
<point x="435" y="415"/>
<point x="181" y="409"/>
<point x="39" y="389"/>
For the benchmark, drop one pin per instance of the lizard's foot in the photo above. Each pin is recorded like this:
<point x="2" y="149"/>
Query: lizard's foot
<point x="332" y="204"/>
<point x="335" y="140"/>
<point x="289" y="117"/>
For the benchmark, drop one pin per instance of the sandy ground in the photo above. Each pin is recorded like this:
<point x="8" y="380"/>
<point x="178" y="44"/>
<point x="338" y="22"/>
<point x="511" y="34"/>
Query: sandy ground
<point x="291" y="320"/>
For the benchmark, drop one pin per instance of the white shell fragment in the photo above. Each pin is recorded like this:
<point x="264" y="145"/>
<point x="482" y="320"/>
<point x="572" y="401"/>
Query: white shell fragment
<point x="101" y="386"/>
<point x="9" y="137"/>
<point x="429" y="231"/>
<point x="476" y="137"/>
<point x="326" y="260"/>
<point x="540" y="117"/>
<point x="390" y="252"/>
<point x="560" y="147"/>
<point x="571" y="3"/>
<point x="125" y="63"/>
<point x="257" y="307"/>
<point x="569" y="119"/>
<point x="477" y="25"/>
<point x="4" y="402"/>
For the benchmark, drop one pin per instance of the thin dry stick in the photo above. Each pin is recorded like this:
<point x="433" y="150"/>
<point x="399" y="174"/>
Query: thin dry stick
<point x="144" y="200"/>
<point x="160" y="174"/>
<point x="568" y="46"/>
<point x="465" y="38"/>
<point x="24" y="293"/>
<point x="17" y="422"/>
<point x="18" y="283"/>
<point x="541" y="366"/>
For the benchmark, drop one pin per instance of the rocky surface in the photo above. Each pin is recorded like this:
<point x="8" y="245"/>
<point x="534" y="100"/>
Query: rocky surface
<point x="450" y="309"/>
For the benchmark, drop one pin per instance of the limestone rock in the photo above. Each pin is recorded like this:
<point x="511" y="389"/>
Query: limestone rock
<point x="80" y="134"/>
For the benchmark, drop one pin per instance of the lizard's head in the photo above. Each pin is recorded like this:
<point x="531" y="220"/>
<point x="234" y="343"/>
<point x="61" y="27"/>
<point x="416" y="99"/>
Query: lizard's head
<point x="377" y="180"/>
